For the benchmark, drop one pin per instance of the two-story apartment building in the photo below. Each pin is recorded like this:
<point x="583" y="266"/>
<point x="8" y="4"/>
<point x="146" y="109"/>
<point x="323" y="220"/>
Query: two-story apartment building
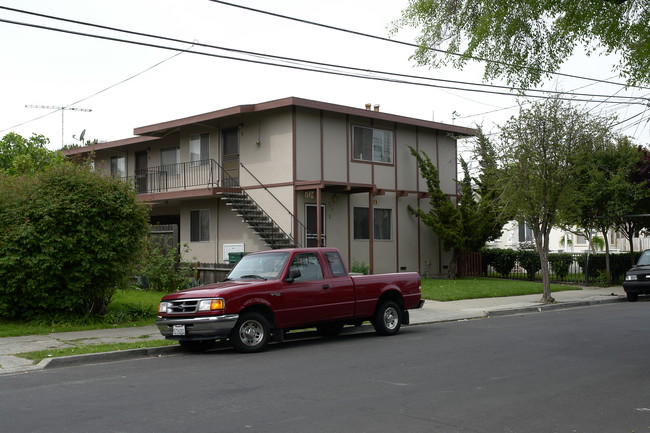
<point x="291" y="172"/>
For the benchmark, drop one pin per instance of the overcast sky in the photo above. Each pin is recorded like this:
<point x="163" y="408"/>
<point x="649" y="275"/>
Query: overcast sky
<point x="126" y="85"/>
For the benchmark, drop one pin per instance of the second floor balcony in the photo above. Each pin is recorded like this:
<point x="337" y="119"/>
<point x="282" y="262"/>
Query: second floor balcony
<point x="185" y="175"/>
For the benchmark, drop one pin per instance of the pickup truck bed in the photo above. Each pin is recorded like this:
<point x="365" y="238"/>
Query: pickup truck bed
<point x="272" y="292"/>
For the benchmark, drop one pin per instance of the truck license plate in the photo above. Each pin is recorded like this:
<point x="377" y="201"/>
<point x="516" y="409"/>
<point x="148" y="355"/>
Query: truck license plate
<point x="178" y="330"/>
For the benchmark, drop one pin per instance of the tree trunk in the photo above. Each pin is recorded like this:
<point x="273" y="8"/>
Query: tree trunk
<point x="607" y="264"/>
<point x="542" y="244"/>
<point x="452" y="274"/>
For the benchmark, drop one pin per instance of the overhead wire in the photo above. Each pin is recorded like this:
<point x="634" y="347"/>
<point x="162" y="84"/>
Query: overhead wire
<point x="327" y="68"/>
<point x="333" y="68"/>
<point x="410" y="44"/>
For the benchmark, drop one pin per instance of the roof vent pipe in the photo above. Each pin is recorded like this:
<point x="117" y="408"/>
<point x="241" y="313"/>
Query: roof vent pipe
<point x="376" y="107"/>
<point x="368" y="106"/>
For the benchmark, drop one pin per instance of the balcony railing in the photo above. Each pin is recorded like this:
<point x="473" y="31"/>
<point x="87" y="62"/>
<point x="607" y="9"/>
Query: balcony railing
<point x="185" y="175"/>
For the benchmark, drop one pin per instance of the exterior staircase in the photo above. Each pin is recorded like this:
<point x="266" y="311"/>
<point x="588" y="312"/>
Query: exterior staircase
<point x="258" y="220"/>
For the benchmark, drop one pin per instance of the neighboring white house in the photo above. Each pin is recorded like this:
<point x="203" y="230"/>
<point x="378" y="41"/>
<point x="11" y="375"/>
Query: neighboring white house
<point x="514" y="234"/>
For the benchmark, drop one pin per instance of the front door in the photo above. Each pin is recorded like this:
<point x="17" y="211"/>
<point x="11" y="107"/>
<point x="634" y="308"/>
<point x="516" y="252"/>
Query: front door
<point x="141" y="171"/>
<point x="311" y="237"/>
<point x="230" y="160"/>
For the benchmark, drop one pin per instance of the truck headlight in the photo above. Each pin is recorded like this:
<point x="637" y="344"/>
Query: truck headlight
<point x="162" y="308"/>
<point x="212" y="304"/>
<point x="630" y="278"/>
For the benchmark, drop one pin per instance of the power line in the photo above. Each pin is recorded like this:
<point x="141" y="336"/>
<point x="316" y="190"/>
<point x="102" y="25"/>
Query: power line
<point x="356" y="74"/>
<point x="381" y="38"/>
<point x="299" y="61"/>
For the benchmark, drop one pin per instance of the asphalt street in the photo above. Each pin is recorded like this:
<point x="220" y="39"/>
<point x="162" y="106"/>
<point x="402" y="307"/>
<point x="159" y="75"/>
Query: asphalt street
<point x="581" y="370"/>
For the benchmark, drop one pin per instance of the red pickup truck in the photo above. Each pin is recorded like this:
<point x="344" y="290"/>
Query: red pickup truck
<point x="272" y="292"/>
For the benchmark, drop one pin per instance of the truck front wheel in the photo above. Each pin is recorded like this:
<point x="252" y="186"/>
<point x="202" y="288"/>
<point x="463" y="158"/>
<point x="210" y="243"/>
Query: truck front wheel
<point x="251" y="333"/>
<point x="388" y="318"/>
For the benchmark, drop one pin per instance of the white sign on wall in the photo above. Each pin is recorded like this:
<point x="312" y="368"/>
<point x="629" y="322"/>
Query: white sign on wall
<point x="232" y="248"/>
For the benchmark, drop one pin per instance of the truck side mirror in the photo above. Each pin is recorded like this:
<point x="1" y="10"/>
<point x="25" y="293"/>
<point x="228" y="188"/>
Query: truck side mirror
<point x="293" y="274"/>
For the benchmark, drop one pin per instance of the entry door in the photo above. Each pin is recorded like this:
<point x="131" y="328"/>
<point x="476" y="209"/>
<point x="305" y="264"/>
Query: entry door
<point x="141" y="171"/>
<point x="312" y="226"/>
<point x="230" y="160"/>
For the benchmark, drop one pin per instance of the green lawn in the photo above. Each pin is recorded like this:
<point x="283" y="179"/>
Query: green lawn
<point x="128" y="308"/>
<point x="474" y="288"/>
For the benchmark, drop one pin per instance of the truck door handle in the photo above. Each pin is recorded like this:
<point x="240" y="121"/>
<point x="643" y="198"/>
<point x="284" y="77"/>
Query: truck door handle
<point x="326" y="286"/>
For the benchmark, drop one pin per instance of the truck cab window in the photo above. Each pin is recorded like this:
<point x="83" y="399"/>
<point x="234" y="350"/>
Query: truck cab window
<point x="308" y="265"/>
<point x="336" y="265"/>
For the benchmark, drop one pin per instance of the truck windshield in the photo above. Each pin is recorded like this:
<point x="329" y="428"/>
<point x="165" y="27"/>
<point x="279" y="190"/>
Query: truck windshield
<point x="644" y="259"/>
<point x="266" y="266"/>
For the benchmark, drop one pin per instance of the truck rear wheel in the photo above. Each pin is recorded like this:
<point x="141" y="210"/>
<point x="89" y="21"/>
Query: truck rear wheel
<point x="251" y="333"/>
<point x="388" y="318"/>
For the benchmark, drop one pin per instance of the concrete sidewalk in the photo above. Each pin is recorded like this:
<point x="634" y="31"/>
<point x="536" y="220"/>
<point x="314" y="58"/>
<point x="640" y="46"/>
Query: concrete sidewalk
<point x="432" y="312"/>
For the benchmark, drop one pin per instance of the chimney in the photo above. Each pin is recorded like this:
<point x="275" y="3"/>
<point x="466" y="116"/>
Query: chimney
<point x="368" y="107"/>
<point x="376" y="107"/>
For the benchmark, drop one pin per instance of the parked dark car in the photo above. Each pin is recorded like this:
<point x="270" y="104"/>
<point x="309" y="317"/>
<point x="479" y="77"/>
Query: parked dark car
<point x="637" y="279"/>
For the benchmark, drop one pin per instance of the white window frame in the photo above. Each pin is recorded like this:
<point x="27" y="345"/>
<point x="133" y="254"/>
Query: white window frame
<point x="380" y="146"/>
<point x="118" y="166"/>
<point x="199" y="147"/>
<point x="173" y="170"/>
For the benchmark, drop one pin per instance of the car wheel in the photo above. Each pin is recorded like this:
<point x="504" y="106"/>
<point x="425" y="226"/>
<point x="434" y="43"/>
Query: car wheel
<point x="196" y="345"/>
<point x="251" y="333"/>
<point x="388" y="318"/>
<point x="632" y="297"/>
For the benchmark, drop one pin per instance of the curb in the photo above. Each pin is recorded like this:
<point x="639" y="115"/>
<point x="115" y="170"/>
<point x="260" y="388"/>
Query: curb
<point x="97" y="358"/>
<point x="553" y="307"/>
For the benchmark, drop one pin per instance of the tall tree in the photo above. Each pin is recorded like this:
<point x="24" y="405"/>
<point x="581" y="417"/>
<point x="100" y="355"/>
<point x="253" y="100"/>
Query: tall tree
<point x="638" y="218"/>
<point x="23" y="156"/>
<point x="525" y="40"/>
<point x="608" y="192"/>
<point x="477" y="217"/>
<point x="540" y="150"/>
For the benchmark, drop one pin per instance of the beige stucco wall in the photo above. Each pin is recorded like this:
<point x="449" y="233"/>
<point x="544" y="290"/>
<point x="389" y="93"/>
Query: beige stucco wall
<point x="265" y="148"/>
<point x="335" y="147"/>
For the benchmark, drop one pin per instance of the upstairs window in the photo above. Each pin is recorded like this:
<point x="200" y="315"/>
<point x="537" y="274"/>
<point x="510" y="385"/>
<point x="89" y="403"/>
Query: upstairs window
<point x="118" y="167"/>
<point x="371" y="144"/>
<point x="169" y="159"/>
<point x="199" y="147"/>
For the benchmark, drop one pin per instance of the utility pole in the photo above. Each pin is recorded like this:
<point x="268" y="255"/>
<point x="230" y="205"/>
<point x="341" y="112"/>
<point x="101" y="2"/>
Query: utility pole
<point x="53" y="107"/>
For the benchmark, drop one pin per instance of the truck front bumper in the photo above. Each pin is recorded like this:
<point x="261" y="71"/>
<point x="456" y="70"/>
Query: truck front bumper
<point x="197" y="328"/>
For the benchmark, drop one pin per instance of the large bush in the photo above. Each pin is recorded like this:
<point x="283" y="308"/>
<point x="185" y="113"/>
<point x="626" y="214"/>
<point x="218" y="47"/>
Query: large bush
<point x="529" y="260"/>
<point x="69" y="238"/>
<point x="502" y="260"/>
<point x="561" y="264"/>
<point x="163" y="270"/>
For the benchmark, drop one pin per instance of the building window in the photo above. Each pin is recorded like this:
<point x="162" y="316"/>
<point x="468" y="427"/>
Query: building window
<point x="382" y="224"/>
<point x="118" y="167"/>
<point x="199" y="147"/>
<point x="200" y="225"/>
<point x="525" y="233"/>
<point x="371" y="144"/>
<point x="169" y="159"/>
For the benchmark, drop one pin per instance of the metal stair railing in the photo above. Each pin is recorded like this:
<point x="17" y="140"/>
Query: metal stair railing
<point x="293" y="217"/>
<point x="285" y="239"/>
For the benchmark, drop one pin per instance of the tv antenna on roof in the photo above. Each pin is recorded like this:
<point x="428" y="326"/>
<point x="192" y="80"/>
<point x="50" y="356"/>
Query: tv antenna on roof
<point x="53" y="107"/>
<point x="81" y="137"/>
